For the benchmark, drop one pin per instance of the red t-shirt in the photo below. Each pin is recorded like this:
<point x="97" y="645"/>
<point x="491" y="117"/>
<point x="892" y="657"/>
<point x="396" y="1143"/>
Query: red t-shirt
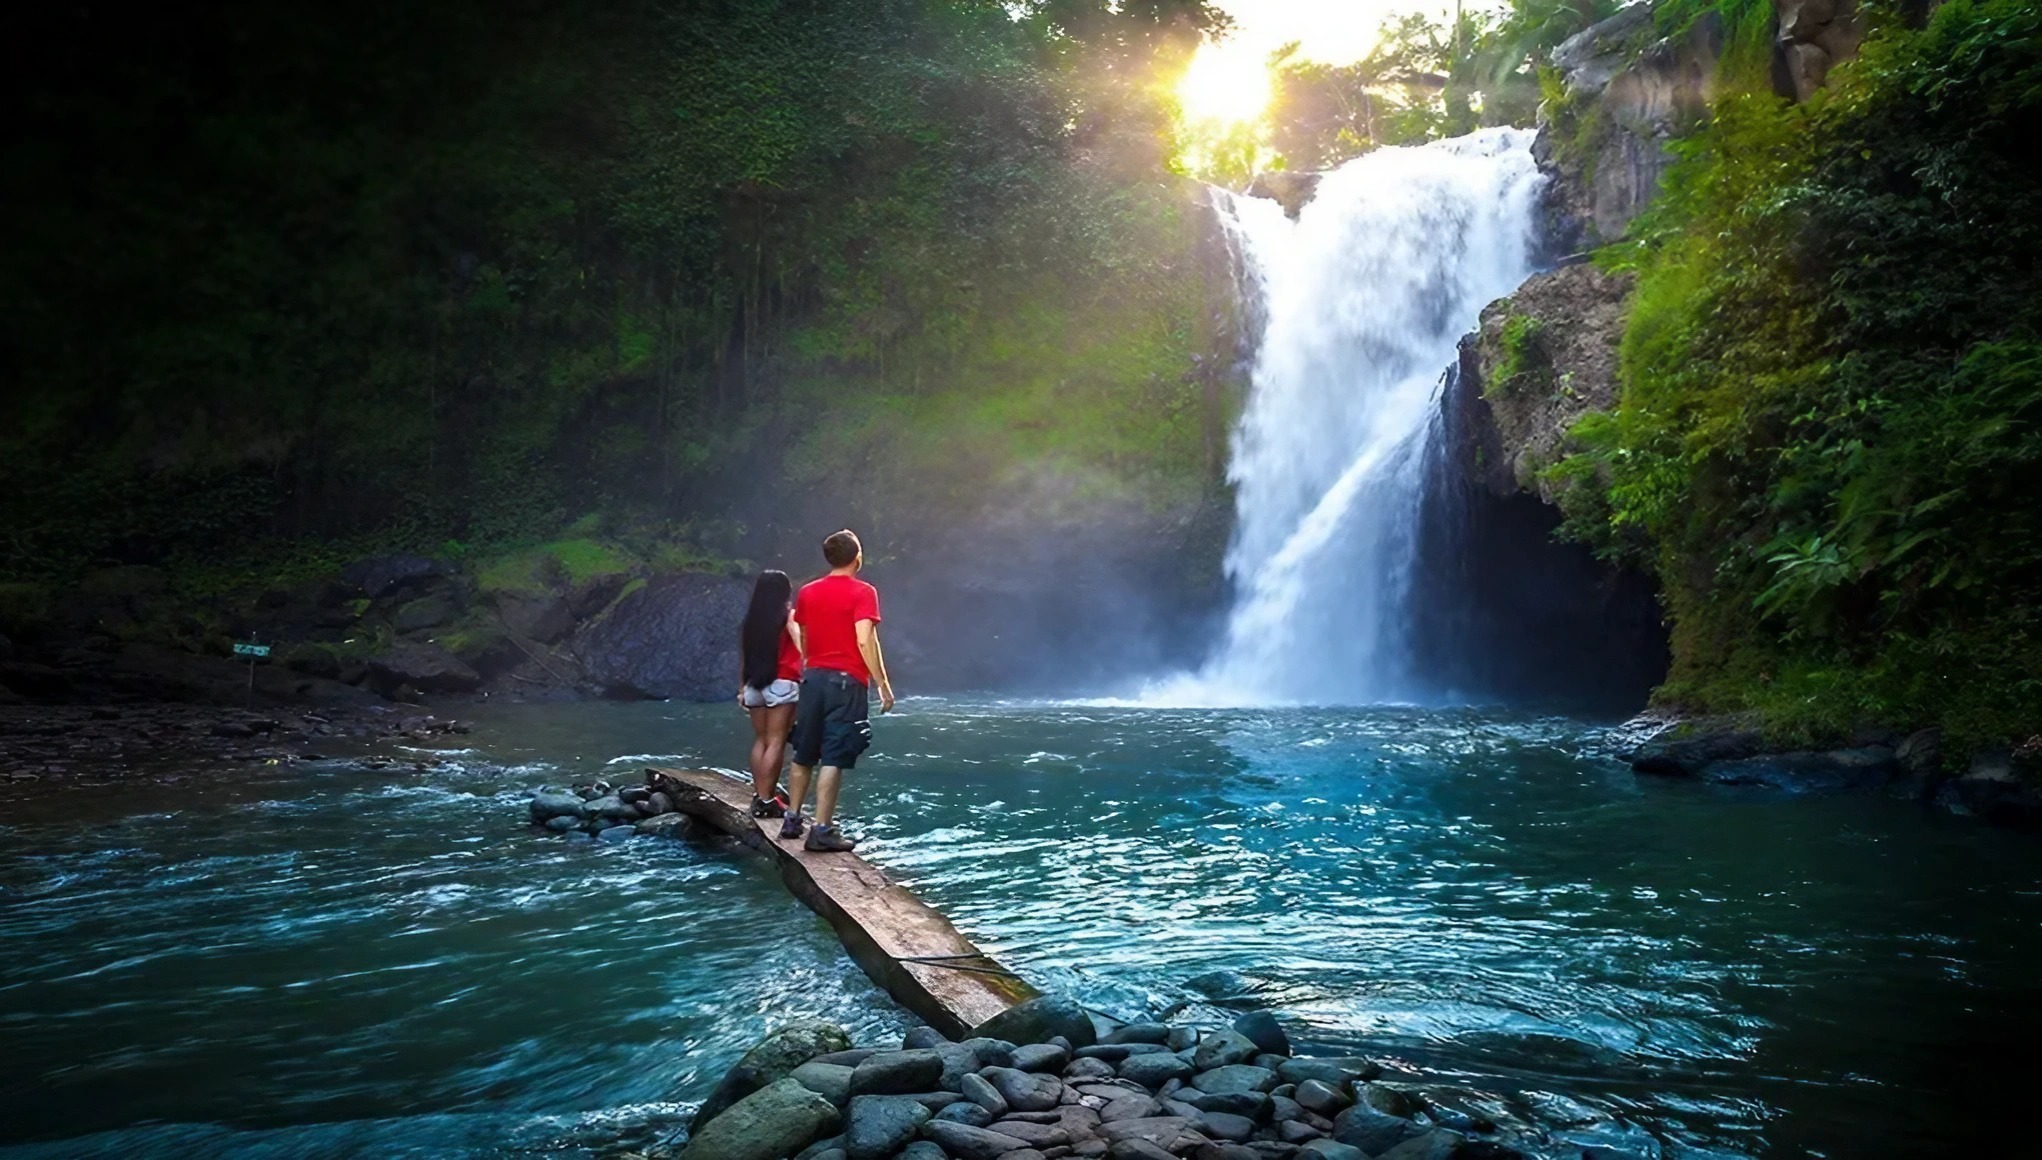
<point x="828" y="611"/>
<point x="789" y="668"/>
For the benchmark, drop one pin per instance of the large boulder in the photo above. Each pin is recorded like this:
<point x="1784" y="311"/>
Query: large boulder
<point x="1041" y="1019"/>
<point x="381" y="575"/>
<point x="774" y="1122"/>
<point x="772" y="1059"/>
<point x="675" y="637"/>
<point x="877" y="1126"/>
<point x="425" y="667"/>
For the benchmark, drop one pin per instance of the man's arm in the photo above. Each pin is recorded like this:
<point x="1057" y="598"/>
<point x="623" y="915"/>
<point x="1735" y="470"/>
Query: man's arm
<point x="875" y="662"/>
<point x="800" y="638"/>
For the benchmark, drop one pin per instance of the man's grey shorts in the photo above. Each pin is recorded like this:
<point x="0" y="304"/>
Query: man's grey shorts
<point x="830" y="726"/>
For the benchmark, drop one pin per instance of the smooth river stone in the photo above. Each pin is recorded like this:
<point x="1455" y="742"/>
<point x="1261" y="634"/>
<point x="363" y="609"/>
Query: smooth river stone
<point x="922" y="1038"/>
<point x="1225" y="1126"/>
<point x="1137" y="1150"/>
<point x="896" y="1073"/>
<point x="770" y="1060"/>
<point x="1262" y="1029"/>
<point x="968" y="1143"/>
<point x="923" y="1150"/>
<point x="1434" y="1145"/>
<point x="1234" y="1077"/>
<point x="985" y="1095"/>
<point x="1162" y="1131"/>
<point x="1032" y="1134"/>
<point x="1292" y="1132"/>
<point x="1334" y="1071"/>
<point x="1330" y="1150"/>
<point x="1131" y="1107"/>
<point x="1040" y="1057"/>
<point x="1222" y="1048"/>
<point x="877" y="1126"/>
<point x="1253" y="1105"/>
<point x="777" y="1120"/>
<point x="1115" y="1052"/>
<point x="966" y="1112"/>
<point x="1153" y="1071"/>
<point x="1088" y="1069"/>
<point x="1156" y="1033"/>
<point x="829" y="1080"/>
<point x="1372" y="1131"/>
<point x="1022" y="1091"/>
<point x="1039" y="1020"/>
<point x="1320" y="1097"/>
<point x="1388" y="1101"/>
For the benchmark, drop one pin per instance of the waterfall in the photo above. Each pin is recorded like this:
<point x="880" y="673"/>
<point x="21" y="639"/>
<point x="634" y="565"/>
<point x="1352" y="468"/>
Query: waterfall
<point x="1363" y="300"/>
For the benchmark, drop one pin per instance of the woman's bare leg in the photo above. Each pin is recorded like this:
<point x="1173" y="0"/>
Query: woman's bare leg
<point x="765" y="777"/>
<point x="766" y="771"/>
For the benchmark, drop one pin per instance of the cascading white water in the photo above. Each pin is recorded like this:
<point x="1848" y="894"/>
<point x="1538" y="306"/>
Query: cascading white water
<point x="1365" y="297"/>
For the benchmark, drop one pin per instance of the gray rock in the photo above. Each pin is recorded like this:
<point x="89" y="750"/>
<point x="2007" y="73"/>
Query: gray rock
<point x="614" y="834"/>
<point x="1435" y="1145"/>
<point x="1686" y="748"/>
<point x="660" y="803"/>
<point x="889" y="1073"/>
<point x="876" y="1126"/>
<point x="1181" y="1038"/>
<point x="1321" y="1097"/>
<point x="1816" y="771"/>
<point x="851" y="1058"/>
<point x="1282" y="1107"/>
<point x="831" y="1081"/>
<point x="1033" y="1134"/>
<point x="1041" y="1057"/>
<point x="1272" y="1062"/>
<point x="1137" y="1149"/>
<point x="575" y="837"/>
<point x="1331" y="1150"/>
<point x="562" y="824"/>
<point x="634" y="794"/>
<point x="985" y="1095"/>
<point x="776" y="1121"/>
<point x="670" y="638"/>
<point x="1091" y="1149"/>
<point x="1222" y="1048"/>
<point x="1235" y="1077"/>
<point x="1130" y="1107"/>
<point x="1225" y="1126"/>
<point x="771" y="1059"/>
<point x="1253" y="1105"/>
<point x="1081" y="1122"/>
<point x="936" y="1101"/>
<point x="1162" y="1131"/>
<point x="666" y="826"/>
<point x="1153" y="1071"/>
<point x="1022" y="1154"/>
<point x="1387" y="1100"/>
<point x="919" y="1038"/>
<point x="425" y="667"/>
<point x="1262" y="1029"/>
<point x="610" y="807"/>
<point x="827" y="1148"/>
<point x="965" y="1112"/>
<point x="548" y="804"/>
<point x="1089" y="1069"/>
<point x="1224" y="1150"/>
<point x="1292" y="1132"/>
<point x="968" y="1143"/>
<point x="1334" y="1071"/>
<point x="1371" y="1131"/>
<point x="1115" y="1052"/>
<point x="1039" y="1019"/>
<point x="1022" y="1091"/>
<point x="923" y="1150"/>
<point x="1156" y="1033"/>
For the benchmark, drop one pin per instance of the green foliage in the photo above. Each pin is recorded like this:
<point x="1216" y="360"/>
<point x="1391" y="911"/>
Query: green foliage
<point x="389" y="276"/>
<point x="1830" y="434"/>
<point x="1523" y="360"/>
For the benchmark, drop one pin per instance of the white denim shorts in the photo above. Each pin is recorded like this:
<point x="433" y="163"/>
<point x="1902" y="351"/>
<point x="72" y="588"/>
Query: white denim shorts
<point x="781" y="692"/>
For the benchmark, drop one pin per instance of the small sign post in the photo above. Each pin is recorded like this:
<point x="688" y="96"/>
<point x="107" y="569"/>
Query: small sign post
<point x="253" y="652"/>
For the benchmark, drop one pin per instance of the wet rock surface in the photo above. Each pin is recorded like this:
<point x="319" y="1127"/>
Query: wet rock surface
<point x="1240" y="1109"/>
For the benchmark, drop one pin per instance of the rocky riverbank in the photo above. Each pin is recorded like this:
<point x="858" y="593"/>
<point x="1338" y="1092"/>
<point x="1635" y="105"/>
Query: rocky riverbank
<point x="2000" y="786"/>
<point x="600" y="812"/>
<point x="76" y="745"/>
<point x="1050" y="1080"/>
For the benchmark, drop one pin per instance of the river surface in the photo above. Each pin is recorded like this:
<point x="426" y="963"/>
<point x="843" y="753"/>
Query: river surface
<point x="318" y="961"/>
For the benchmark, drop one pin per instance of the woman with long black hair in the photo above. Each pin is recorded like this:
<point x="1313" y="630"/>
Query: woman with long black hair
<point x="770" y="684"/>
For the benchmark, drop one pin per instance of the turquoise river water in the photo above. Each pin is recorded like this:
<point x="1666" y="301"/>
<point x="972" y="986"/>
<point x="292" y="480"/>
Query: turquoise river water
<point x="317" y="961"/>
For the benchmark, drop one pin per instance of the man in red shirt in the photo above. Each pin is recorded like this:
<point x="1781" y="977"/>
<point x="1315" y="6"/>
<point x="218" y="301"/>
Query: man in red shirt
<point x="839" y="619"/>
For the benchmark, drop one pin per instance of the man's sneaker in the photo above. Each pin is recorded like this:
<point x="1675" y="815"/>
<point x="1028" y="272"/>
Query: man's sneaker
<point x="826" y="840"/>
<point x="791" y="828"/>
<point x="768" y="807"/>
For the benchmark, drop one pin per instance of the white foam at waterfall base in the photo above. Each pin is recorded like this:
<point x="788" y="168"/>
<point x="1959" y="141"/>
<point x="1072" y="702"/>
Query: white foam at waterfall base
<point x="1364" y="299"/>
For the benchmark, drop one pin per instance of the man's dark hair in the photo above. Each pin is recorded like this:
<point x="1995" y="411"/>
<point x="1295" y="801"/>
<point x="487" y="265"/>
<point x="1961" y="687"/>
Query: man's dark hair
<point x="840" y="548"/>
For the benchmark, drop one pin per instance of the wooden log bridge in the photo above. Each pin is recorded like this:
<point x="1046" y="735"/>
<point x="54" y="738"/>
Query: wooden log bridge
<point x="906" y="947"/>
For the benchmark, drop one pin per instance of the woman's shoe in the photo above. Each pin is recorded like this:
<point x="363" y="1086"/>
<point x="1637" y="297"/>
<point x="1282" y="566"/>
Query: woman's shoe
<point x="791" y="828"/>
<point x="768" y="807"/>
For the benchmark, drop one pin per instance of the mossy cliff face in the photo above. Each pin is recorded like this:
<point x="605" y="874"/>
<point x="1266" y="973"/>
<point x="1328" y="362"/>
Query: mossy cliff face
<point x="1818" y="434"/>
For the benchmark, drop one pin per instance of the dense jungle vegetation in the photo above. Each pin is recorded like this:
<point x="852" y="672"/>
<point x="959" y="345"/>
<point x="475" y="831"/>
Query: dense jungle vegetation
<point x="291" y="283"/>
<point x="1827" y="445"/>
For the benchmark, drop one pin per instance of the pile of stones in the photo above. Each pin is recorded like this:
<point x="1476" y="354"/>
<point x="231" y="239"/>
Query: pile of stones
<point x="601" y="812"/>
<point x="1041" y="1082"/>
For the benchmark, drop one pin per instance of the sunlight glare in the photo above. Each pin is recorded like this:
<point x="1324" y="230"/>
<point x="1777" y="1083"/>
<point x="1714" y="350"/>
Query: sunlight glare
<point x="1228" y="83"/>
